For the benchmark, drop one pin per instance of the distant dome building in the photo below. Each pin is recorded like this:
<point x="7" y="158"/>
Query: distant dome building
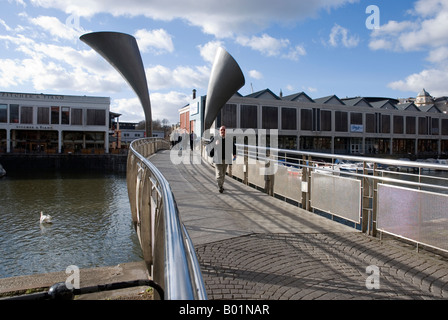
<point x="424" y="99"/>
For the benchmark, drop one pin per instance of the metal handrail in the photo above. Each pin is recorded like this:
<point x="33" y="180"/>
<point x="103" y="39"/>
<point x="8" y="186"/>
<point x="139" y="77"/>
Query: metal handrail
<point x="392" y="162"/>
<point x="375" y="189"/>
<point x="173" y="260"/>
<point x="253" y="152"/>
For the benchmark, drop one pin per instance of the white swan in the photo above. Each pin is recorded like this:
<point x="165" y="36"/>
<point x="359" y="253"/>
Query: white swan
<point x="45" y="218"/>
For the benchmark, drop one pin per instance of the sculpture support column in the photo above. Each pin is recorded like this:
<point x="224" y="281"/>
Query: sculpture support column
<point x="122" y="52"/>
<point x="226" y="79"/>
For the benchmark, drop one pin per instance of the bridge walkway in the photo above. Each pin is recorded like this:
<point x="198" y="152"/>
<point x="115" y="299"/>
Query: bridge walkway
<point x="254" y="246"/>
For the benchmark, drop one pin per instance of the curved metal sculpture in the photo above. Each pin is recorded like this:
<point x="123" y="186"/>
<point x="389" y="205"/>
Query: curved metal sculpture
<point x="122" y="52"/>
<point x="226" y="79"/>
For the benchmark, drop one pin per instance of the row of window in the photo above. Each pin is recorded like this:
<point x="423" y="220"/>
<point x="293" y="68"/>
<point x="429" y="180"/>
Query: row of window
<point x="52" y="115"/>
<point x="321" y="120"/>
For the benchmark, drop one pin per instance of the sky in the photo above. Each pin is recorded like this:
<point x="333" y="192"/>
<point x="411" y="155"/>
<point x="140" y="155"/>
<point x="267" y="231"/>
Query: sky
<point x="345" y="48"/>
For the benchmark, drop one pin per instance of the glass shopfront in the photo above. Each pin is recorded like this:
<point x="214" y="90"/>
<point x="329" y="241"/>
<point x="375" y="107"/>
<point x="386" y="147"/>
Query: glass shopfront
<point x="34" y="141"/>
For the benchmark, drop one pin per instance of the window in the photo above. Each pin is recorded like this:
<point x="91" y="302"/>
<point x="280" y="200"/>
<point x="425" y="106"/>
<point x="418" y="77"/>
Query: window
<point x="3" y="112"/>
<point x="398" y="124"/>
<point x="410" y="125"/>
<point x="356" y="123"/>
<point x="385" y="123"/>
<point x="249" y="116"/>
<point x="287" y="142"/>
<point x="26" y="115"/>
<point x="316" y="119"/>
<point x="356" y="118"/>
<point x="54" y="115"/>
<point x="76" y="117"/>
<point x="325" y="118"/>
<point x="270" y="118"/>
<point x="13" y="113"/>
<point x="96" y="117"/>
<point x="341" y="121"/>
<point x="435" y="126"/>
<point x="43" y="115"/>
<point x="289" y="116"/>
<point x="370" y="123"/>
<point x="228" y="116"/>
<point x="445" y="127"/>
<point x="422" y="125"/>
<point x="65" y="115"/>
<point x="306" y="119"/>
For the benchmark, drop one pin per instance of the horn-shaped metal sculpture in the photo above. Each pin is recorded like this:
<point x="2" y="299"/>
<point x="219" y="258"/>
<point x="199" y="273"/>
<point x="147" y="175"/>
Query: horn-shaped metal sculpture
<point x="122" y="52"/>
<point x="226" y="79"/>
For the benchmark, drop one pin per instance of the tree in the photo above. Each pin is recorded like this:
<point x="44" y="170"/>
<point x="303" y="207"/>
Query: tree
<point x="157" y="125"/>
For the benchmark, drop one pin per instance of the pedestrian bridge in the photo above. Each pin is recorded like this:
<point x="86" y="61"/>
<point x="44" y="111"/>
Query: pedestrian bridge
<point x="269" y="238"/>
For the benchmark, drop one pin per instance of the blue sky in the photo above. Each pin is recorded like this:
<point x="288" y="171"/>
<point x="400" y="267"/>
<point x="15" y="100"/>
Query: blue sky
<point x="320" y="47"/>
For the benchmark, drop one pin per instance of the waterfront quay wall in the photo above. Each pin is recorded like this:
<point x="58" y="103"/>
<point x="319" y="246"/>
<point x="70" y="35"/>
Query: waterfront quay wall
<point x="106" y="162"/>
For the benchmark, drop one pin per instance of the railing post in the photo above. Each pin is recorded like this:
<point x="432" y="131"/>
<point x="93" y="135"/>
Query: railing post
<point x="310" y="165"/>
<point x="306" y="183"/>
<point x="368" y="217"/>
<point x="375" y="198"/>
<point x="366" y="201"/>
<point x="246" y="165"/>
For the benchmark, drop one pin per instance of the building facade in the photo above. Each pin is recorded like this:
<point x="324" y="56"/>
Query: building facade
<point x="359" y="125"/>
<point x="35" y="123"/>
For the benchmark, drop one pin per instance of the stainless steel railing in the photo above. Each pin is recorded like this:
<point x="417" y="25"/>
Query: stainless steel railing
<point x="406" y="199"/>
<point x="166" y="245"/>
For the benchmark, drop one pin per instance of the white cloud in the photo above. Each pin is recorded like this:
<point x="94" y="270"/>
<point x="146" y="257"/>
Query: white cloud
<point x="157" y="41"/>
<point x="208" y="50"/>
<point x="432" y="79"/>
<point x="167" y="105"/>
<point x="131" y="109"/>
<point x="310" y="89"/>
<point x="388" y="35"/>
<point x="57" y="67"/>
<point x="255" y="74"/>
<point x="424" y="31"/>
<point x="46" y="61"/>
<point x="12" y="72"/>
<point x="161" y="77"/>
<point x="427" y="8"/>
<point x="265" y="44"/>
<point x="438" y="55"/>
<point x="58" y="29"/>
<point x="272" y="47"/>
<point x="340" y="36"/>
<point x="66" y="68"/>
<point x="3" y="23"/>
<point x="163" y="106"/>
<point x="213" y="17"/>
<point x="295" y="53"/>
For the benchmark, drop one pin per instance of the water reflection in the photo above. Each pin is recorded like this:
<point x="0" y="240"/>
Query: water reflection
<point x="91" y="221"/>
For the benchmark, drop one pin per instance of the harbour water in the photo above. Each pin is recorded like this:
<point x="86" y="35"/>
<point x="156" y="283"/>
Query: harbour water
<point x="92" y="223"/>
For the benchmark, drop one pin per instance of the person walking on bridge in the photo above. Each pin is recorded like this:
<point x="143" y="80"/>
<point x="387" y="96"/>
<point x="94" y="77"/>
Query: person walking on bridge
<point x="221" y="157"/>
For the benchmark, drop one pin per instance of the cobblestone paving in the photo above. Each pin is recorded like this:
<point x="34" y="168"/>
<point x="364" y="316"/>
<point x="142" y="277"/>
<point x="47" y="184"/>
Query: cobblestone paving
<point x="253" y="246"/>
<point x="329" y="266"/>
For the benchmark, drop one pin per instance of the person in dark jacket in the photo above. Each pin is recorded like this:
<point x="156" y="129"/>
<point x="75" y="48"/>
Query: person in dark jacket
<point x="222" y="158"/>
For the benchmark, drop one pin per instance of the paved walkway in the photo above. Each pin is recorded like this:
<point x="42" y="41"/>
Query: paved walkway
<point x="253" y="246"/>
